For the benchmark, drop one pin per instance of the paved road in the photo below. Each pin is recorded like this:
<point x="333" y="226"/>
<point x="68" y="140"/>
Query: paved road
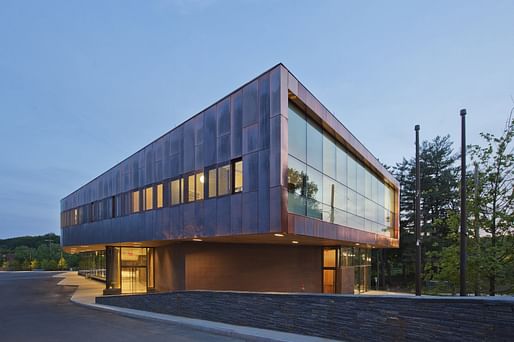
<point x="34" y="308"/>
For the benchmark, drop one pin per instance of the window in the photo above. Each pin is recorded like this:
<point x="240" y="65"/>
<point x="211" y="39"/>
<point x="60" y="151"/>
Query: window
<point x="200" y="181"/>
<point x="238" y="176"/>
<point x="314" y="146"/>
<point x="314" y="191"/>
<point x="160" y="195"/>
<point x="224" y="180"/>
<point x="148" y="198"/>
<point x="191" y="188"/>
<point x="329" y="156"/>
<point x="211" y="183"/>
<point x="177" y="187"/>
<point x="135" y="202"/>
<point x="296" y="179"/>
<point x="75" y="216"/>
<point x="297" y="133"/>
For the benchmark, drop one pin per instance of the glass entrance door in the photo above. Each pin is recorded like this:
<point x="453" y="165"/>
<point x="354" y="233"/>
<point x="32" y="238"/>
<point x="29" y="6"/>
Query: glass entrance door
<point x="133" y="279"/>
<point x="133" y="270"/>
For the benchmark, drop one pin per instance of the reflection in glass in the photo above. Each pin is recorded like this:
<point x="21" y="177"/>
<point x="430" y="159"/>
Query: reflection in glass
<point x="296" y="177"/>
<point x="314" y="146"/>
<point x="327" y="182"/>
<point x="329" y="156"/>
<point x="314" y="192"/>
<point x="341" y="167"/>
<point x="297" y="135"/>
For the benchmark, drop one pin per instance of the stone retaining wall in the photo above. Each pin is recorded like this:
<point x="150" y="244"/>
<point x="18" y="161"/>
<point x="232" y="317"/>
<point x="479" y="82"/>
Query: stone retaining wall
<point x="345" y="317"/>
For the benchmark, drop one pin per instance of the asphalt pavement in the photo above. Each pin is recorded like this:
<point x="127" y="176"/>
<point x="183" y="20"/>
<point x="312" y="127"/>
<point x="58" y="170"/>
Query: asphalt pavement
<point x="34" y="308"/>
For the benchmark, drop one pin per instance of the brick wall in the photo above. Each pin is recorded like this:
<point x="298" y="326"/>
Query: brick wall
<point x="346" y="317"/>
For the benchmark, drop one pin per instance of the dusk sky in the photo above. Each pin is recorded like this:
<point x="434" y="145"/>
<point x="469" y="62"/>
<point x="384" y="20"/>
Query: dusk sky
<point x="84" y="84"/>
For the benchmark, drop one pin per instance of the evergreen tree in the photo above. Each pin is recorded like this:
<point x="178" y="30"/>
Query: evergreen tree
<point x="495" y="205"/>
<point x="439" y="198"/>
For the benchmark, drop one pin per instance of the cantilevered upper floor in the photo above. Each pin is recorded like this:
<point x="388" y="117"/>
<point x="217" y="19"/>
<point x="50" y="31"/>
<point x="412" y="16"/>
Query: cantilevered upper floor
<point x="268" y="159"/>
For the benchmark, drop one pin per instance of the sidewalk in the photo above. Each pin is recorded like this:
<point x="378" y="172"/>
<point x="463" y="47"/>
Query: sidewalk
<point x="88" y="289"/>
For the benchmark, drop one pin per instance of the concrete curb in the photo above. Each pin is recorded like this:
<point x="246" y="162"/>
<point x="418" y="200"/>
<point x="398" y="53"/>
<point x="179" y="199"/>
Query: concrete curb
<point x="236" y="331"/>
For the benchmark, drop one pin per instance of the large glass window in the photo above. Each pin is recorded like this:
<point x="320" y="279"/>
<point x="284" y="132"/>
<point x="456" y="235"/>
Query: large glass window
<point x="329" y="156"/>
<point x="238" y="176"/>
<point x="224" y="180"/>
<point x="341" y="167"/>
<point x="296" y="177"/>
<point x="297" y="133"/>
<point x="314" y="146"/>
<point x="327" y="182"/>
<point x="314" y="191"/>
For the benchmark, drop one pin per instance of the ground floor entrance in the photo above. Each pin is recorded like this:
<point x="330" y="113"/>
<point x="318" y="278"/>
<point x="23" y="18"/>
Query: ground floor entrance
<point x="346" y="270"/>
<point x="237" y="267"/>
<point x="129" y="270"/>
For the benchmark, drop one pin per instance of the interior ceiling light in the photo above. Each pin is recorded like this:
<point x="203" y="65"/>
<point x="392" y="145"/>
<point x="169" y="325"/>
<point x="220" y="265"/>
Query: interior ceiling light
<point x="202" y="179"/>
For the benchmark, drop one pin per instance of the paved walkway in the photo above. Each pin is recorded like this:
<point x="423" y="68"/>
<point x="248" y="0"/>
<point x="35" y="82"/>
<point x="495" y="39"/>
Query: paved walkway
<point x="88" y="289"/>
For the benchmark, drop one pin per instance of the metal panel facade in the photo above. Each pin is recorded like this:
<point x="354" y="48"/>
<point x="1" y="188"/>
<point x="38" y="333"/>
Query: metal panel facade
<point x="251" y="124"/>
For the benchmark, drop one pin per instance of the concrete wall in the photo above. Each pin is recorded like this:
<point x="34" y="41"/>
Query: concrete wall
<point x="216" y="266"/>
<point x="349" y="318"/>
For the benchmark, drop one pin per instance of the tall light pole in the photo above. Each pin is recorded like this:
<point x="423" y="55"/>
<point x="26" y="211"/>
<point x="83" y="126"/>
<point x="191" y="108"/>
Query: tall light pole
<point x="463" y="228"/>
<point x="417" y="217"/>
<point x="477" y="233"/>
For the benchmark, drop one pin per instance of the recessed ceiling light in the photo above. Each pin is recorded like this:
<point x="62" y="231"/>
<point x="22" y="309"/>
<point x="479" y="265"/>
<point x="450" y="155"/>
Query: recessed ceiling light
<point x="295" y="242"/>
<point x="278" y="235"/>
<point x="198" y="240"/>
<point x="357" y="244"/>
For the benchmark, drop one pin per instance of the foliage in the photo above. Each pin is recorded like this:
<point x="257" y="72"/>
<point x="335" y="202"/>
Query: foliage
<point x="34" y="252"/>
<point x="439" y="200"/>
<point x="490" y="204"/>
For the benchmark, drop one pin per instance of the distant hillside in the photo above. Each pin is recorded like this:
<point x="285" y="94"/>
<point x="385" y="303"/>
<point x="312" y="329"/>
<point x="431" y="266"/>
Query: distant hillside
<point x="29" y="241"/>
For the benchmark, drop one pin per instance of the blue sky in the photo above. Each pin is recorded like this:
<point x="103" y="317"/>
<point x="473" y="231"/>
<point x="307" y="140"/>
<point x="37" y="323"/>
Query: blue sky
<point x="84" y="84"/>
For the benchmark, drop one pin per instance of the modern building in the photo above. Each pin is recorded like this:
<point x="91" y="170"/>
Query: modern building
<point x="265" y="190"/>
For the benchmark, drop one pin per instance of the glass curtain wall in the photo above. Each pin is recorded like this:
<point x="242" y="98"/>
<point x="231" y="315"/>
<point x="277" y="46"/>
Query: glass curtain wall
<point x="92" y="264"/>
<point x="360" y="260"/>
<point x="326" y="182"/>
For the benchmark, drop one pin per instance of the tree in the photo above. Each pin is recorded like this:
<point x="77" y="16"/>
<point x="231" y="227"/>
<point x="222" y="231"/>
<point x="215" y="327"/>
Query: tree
<point x="62" y="264"/>
<point x="495" y="204"/>
<point x="439" y="198"/>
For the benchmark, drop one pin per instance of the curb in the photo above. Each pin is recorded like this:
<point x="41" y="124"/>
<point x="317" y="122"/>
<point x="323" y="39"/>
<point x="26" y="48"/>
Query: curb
<point x="229" y="330"/>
